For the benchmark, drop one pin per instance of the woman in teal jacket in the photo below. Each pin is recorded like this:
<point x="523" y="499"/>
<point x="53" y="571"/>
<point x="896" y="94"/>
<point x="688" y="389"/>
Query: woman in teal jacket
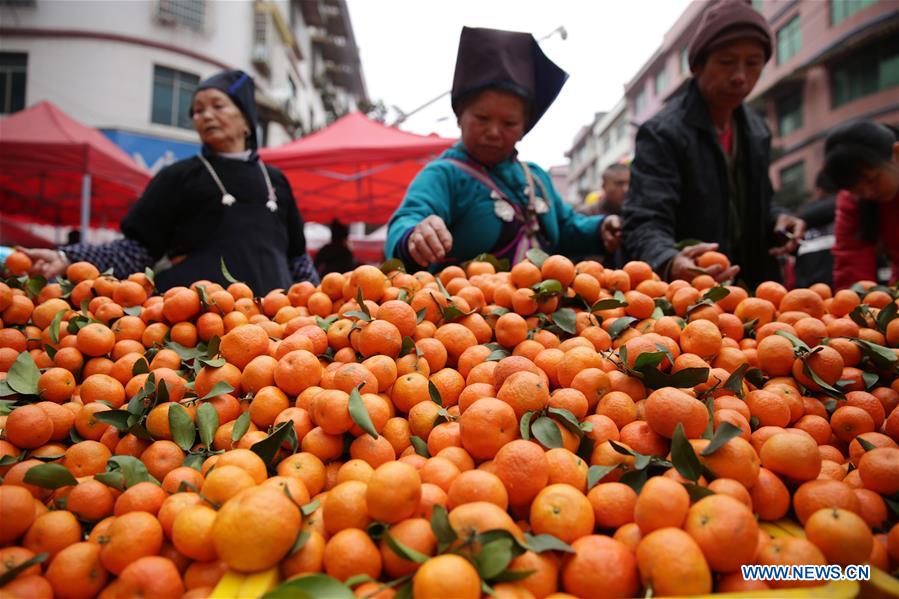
<point x="477" y="196"/>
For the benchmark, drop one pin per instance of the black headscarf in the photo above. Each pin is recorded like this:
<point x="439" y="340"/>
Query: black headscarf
<point x="241" y="88"/>
<point x="508" y="60"/>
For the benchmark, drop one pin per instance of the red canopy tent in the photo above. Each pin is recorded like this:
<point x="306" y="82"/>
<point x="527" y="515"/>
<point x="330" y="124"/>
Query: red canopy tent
<point x="356" y="169"/>
<point x="55" y="170"/>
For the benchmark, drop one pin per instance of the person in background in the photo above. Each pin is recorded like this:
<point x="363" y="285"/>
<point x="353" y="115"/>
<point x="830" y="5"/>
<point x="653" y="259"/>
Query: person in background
<point x="862" y="159"/>
<point x="700" y="169"/>
<point x="615" y="181"/>
<point x="814" y="260"/>
<point x="478" y="196"/>
<point x="73" y="237"/>
<point x="221" y="205"/>
<point x="335" y="256"/>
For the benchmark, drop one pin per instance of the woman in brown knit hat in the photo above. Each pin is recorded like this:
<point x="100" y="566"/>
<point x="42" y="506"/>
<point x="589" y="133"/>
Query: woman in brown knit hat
<point x="700" y="169"/>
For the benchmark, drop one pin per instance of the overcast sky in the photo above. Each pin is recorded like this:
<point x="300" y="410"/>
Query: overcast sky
<point x="408" y="50"/>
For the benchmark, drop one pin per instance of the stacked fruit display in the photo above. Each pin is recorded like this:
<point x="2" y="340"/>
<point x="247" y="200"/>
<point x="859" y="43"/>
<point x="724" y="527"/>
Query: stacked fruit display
<point x="558" y="429"/>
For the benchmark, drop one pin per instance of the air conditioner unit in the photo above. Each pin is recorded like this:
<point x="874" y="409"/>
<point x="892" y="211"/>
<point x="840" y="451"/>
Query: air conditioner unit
<point x="260" y="53"/>
<point x="260" y="57"/>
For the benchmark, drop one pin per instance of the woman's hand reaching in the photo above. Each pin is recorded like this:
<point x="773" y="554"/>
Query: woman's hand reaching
<point x="610" y="230"/>
<point x="430" y="241"/>
<point x="47" y="263"/>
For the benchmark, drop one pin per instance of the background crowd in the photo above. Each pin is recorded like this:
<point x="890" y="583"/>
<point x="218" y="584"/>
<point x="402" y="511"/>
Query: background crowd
<point x="698" y="181"/>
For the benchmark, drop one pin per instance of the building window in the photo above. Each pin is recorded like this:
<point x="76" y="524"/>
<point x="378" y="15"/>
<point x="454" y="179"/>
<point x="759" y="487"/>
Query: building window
<point x="685" y="60"/>
<point x="869" y="71"/>
<point x="840" y="10"/>
<point x="789" y="113"/>
<point x="172" y="94"/>
<point x="792" y="179"/>
<point x="661" y="81"/>
<point x="621" y="130"/>
<point x="13" y="73"/>
<point x="189" y="13"/>
<point x="640" y="101"/>
<point x="291" y="87"/>
<point x="789" y="40"/>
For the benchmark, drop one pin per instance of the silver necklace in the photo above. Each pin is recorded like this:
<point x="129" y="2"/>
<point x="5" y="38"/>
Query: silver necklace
<point x="228" y="199"/>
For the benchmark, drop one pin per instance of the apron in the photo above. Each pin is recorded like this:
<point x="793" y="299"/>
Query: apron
<point x="251" y="239"/>
<point x="524" y="224"/>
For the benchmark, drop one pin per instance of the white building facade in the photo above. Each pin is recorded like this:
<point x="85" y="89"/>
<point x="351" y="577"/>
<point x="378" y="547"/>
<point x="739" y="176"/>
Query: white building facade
<point x="582" y="163"/>
<point x="614" y="138"/>
<point x="605" y="141"/>
<point x="130" y="68"/>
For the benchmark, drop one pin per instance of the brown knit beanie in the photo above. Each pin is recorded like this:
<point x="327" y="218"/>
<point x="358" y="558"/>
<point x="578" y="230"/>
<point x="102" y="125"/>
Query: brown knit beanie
<point x="726" y="21"/>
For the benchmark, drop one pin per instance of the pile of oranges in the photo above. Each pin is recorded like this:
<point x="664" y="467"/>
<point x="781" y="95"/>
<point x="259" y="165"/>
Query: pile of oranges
<point x="557" y="430"/>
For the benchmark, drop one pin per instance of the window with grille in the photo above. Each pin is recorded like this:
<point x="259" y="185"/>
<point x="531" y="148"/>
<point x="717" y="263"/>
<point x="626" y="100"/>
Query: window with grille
<point x="260" y="27"/>
<point x="840" y="10"/>
<point x="789" y="40"/>
<point x="172" y="94"/>
<point x="13" y="75"/>
<point x="868" y="71"/>
<point x="189" y="13"/>
<point x="685" y="60"/>
<point x="260" y="55"/>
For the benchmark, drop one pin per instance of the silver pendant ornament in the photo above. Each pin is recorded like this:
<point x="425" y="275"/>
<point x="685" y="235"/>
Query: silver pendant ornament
<point x="504" y="211"/>
<point x="230" y="200"/>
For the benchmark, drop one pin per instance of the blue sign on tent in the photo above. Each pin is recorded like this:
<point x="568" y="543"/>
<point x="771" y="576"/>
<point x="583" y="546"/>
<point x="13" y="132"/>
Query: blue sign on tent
<point x="153" y="153"/>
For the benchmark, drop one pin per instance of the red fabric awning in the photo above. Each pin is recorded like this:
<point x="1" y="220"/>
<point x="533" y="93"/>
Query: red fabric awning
<point x="356" y="169"/>
<point x="44" y="154"/>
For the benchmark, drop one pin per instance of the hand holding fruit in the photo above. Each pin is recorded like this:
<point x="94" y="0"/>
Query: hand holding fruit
<point x="610" y="230"/>
<point x="47" y="263"/>
<point x="792" y="229"/>
<point x="686" y="264"/>
<point x="14" y="262"/>
<point x="430" y="241"/>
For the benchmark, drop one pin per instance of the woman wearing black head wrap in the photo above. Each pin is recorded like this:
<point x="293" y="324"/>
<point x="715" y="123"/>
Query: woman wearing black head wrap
<point x="478" y="196"/>
<point x="221" y="205"/>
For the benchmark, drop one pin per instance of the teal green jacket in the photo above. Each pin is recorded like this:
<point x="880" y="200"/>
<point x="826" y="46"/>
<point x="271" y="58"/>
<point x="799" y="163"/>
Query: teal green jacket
<point x="465" y="205"/>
